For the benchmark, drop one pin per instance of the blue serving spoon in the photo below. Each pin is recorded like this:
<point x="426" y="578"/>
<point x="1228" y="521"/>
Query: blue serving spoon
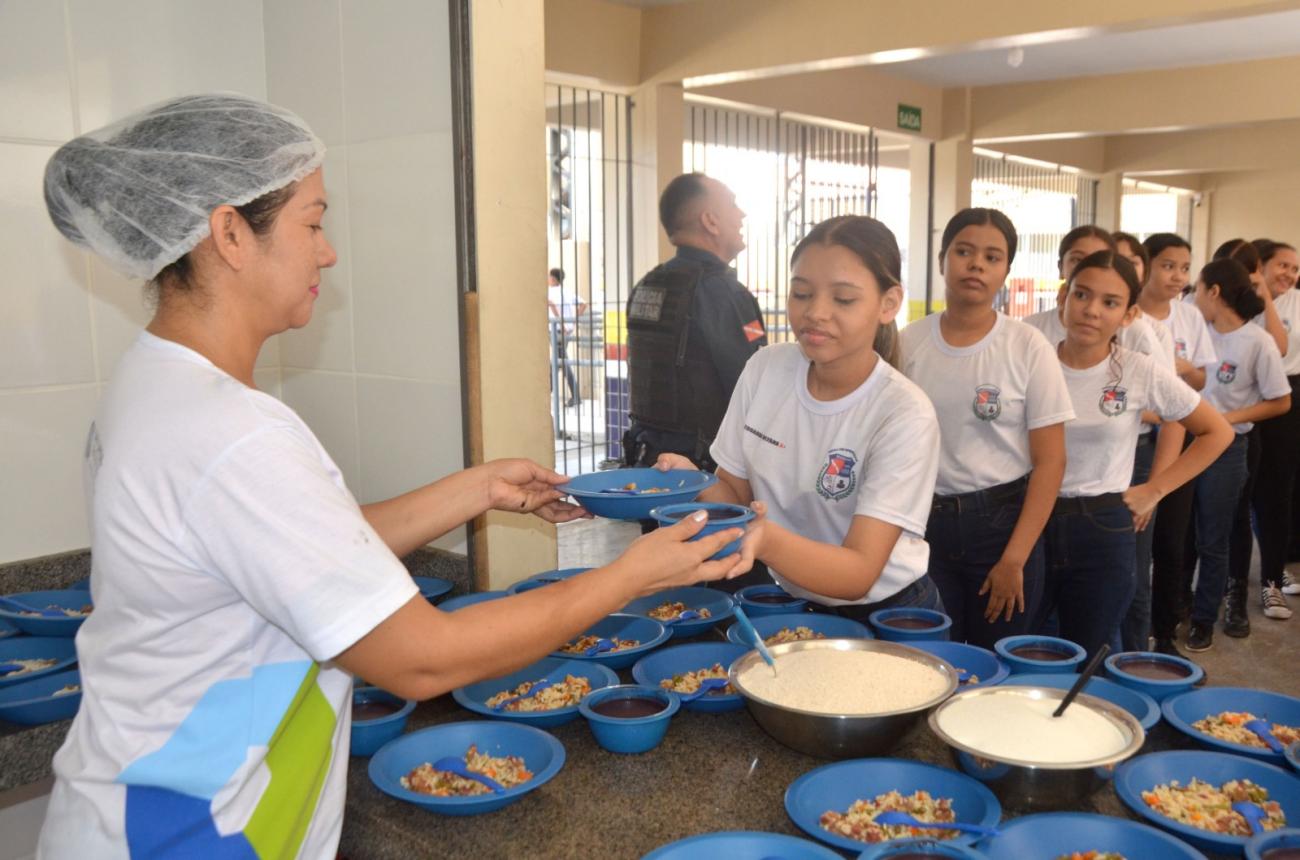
<point x="1253" y="813"/>
<point x="18" y="606"/>
<point x="687" y="615"/>
<point x="537" y="687"/>
<point x="6" y="668"/>
<point x="1264" y="732"/>
<point x="708" y="685"/>
<point x="747" y="628"/>
<point x="451" y="764"/>
<point x="601" y="646"/>
<point x="902" y="819"/>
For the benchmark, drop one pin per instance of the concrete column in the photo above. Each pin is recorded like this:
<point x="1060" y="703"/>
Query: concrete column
<point x="1110" y="199"/>
<point x="918" y="233"/>
<point x="954" y="168"/>
<point x="658" y="119"/>
<point x="1202" y="246"/>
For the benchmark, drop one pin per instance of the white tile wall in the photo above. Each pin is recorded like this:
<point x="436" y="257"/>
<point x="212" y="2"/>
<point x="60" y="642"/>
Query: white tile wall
<point x="304" y="68"/>
<point x="328" y="403"/>
<point x="35" y="91"/>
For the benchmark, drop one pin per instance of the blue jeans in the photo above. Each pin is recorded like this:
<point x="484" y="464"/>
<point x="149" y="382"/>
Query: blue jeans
<point x="1135" y="629"/>
<point x="964" y="546"/>
<point x="1217" y="491"/>
<point x="1089" y="576"/>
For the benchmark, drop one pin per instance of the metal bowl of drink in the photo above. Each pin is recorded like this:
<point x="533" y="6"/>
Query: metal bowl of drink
<point x="1045" y="775"/>
<point x="826" y="733"/>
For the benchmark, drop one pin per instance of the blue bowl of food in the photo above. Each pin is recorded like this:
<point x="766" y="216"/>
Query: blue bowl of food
<point x="30" y="657"/>
<point x="920" y="848"/>
<point x="451" y="604"/>
<point x="798" y="626"/>
<point x="1145" y="785"/>
<point x="1034" y="654"/>
<point x="931" y="793"/>
<point x="630" y="494"/>
<point x="668" y="606"/>
<point x="544" y="707"/>
<point x="910" y="624"/>
<point x="7" y="630"/>
<point x="741" y="845"/>
<point x="1158" y="675"/>
<point x="537" y="580"/>
<point x="82" y="584"/>
<point x="432" y="588"/>
<point x="1215" y="717"/>
<point x="631" y="638"/>
<point x="629" y="718"/>
<point x="1293" y="755"/>
<point x="1277" y="845"/>
<point x="680" y="668"/>
<point x="46" y="699"/>
<point x="378" y="716"/>
<point x="1143" y="708"/>
<point x="73" y="608"/>
<point x="722" y="516"/>
<point x="522" y="757"/>
<point x="985" y="669"/>
<point x="1071" y="834"/>
<point x="762" y="600"/>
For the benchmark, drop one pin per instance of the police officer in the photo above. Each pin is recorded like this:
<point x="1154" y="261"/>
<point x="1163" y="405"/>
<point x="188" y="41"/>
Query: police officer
<point x="691" y="327"/>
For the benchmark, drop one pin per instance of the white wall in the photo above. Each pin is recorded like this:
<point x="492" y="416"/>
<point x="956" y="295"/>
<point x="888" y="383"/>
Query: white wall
<point x="1253" y="205"/>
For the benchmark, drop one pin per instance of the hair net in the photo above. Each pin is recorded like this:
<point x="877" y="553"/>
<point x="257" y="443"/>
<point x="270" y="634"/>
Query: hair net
<point x="139" y="192"/>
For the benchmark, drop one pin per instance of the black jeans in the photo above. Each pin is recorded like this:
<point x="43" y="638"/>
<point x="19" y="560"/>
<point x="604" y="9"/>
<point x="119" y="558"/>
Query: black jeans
<point x="1275" y="487"/>
<point x="921" y="594"/>
<point x="1169" y="577"/>
<point x="1136" y="627"/>
<point x="1241" y="544"/>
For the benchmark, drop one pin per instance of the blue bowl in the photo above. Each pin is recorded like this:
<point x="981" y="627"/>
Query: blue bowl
<point x="629" y="734"/>
<point x="736" y="516"/>
<point x="650" y="633"/>
<point x="431" y="588"/>
<point x="1074" y="655"/>
<point x="7" y="630"/>
<point x="473" y="696"/>
<point x="830" y="626"/>
<point x="1288" y="837"/>
<point x="33" y="703"/>
<point x="1293" y="755"/>
<point x="1143" y="708"/>
<point x="451" y="604"/>
<point x="920" y="846"/>
<point x="1156" y="689"/>
<point x="1186" y="708"/>
<point x="82" y="584"/>
<point x="980" y="662"/>
<point x="937" y="623"/>
<point x="757" y="608"/>
<point x="836" y="786"/>
<point x="542" y="754"/>
<point x="369" y="735"/>
<point x="546" y="577"/>
<point x="741" y="845"/>
<point x="36" y="648"/>
<point x="662" y="665"/>
<point x="589" y="490"/>
<point x="1053" y="834"/>
<point x="1147" y="771"/>
<point x="39" y="626"/>
<point x="717" y="602"/>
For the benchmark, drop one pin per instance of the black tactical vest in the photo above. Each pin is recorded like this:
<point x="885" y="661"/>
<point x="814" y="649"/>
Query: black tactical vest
<point x="674" y="385"/>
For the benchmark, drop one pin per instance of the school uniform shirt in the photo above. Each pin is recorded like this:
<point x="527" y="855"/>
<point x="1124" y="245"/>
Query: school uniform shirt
<point x="1108" y="401"/>
<point x="1288" y="309"/>
<point x="230" y="565"/>
<point x="1191" y="336"/>
<point x="818" y="464"/>
<point x="988" y="396"/>
<point x="1249" y="370"/>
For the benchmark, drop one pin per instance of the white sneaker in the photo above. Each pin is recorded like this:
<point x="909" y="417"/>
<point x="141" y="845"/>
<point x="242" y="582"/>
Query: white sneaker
<point x="1275" y="604"/>
<point x="1290" y="585"/>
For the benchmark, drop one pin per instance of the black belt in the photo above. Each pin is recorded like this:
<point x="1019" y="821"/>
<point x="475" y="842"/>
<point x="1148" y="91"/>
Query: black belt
<point x="1146" y="439"/>
<point x="982" y="500"/>
<point x="1087" y="504"/>
<point x="860" y="611"/>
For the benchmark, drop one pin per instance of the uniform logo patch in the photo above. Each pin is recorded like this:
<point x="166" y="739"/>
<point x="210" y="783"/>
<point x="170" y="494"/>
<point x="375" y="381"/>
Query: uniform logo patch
<point x="1227" y="371"/>
<point x="837" y="480"/>
<point x="753" y="330"/>
<point x="1114" y="401"/>
<point x="988" y="402"/>
<point x="1180" y="347"/>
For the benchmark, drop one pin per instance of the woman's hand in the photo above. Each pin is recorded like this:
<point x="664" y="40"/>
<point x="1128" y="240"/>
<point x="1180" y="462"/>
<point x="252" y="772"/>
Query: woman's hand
<point x="524" y="487"/>
<point x="667" y="557"/>
<point x="1005" y="586"/>
<point x="668" y="462"/>
<point x="1141" y="500"/>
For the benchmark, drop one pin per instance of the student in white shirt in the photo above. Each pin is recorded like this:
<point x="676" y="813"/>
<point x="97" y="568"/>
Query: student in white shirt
<point x="1248" y="385"/>
<point x="1090" y="539"/>
<point x="837" y="446"/>
<point x="1280" y="439"/>
<point x="1002" y="403"/>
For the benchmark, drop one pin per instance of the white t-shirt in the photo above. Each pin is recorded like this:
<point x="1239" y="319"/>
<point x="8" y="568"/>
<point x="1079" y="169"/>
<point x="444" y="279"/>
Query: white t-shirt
<point x="988" y="396"/>
<point x="1108" y="404"/>
<point x="1186" y="325"/>
<point x="1249" y="370"/>
<point x="818" y="464"/>
<point x="1288" y="308"/>
<point x="230" y="563"/>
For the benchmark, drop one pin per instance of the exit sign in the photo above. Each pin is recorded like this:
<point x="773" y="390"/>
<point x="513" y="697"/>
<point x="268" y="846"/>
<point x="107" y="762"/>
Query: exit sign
<point x="909" y="117"/>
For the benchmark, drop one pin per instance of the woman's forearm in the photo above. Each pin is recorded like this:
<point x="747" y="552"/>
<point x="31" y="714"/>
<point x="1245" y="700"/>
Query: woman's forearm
<point x="411" y="520"/>
<point x="840" y="572"/>
<point x="1261" y="411"/>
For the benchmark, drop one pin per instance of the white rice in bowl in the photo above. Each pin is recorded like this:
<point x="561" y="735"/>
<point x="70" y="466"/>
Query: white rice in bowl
<point x="853" y="682"/>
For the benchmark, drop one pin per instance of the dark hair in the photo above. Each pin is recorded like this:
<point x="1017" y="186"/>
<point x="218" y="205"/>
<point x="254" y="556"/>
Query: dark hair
<point x="1235" y="287"/>
<point x="1267" y="249"/>
<point x="681" y="191"/>
<point x="975" y="217"/>
<point x="558" y="274"/>
<point x="1158" y="243"/>
<point x="1139" y="249"/>
<point x="1083" y="231"/>
<point x="872" y="243"/>
<point x="1240" y="250"/>
<point x="1113" y="261"/>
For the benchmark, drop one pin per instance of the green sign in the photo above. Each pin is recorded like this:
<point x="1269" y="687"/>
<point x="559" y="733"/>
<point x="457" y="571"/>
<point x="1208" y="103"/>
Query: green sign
<point x="909" y="117"/>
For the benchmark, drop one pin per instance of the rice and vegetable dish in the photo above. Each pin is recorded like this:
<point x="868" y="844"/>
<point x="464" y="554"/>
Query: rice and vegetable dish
<point x="508" y="770"/>
<point x="70" y="613"/>
<point x="547" y="699"/>
<point x="67" y="689"/>
<point x="689" y="682"/>
<point x="972" y="678"/>
<point x="859" y="821"/>
<point x="582" y="643"/>
<point x="1230" y="726"/>
<point x="1209" y="807"/>
<point x="673" y="610"/>
<point x="632" y="488"/>
<point x="796" y="634"/>
<point x="24" y="666"/>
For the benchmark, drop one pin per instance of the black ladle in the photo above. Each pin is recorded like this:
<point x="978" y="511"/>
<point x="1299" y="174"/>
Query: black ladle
<point x="1088" y="671"/>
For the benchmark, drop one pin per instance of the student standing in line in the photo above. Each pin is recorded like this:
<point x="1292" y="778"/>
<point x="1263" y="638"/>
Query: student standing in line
<point x="1090" y="538"/>
<point x="842" y="448"/>
<point x="1248" y="385"/>
<point x="1002" y="404"/>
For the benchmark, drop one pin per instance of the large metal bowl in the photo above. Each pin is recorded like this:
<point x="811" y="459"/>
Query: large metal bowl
<point x="1022" y="784"/>
<point x="831" y="735"/>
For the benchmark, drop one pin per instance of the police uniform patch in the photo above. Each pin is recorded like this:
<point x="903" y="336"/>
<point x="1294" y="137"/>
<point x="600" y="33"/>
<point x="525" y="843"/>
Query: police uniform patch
<point x="1114" y="401"/>
<point x="753" y="330"/>
<point x="837" y="480"/>
<point x="988" y="402"/>
<point x="1227" y="371"/>
<point x="647" y="303"/>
